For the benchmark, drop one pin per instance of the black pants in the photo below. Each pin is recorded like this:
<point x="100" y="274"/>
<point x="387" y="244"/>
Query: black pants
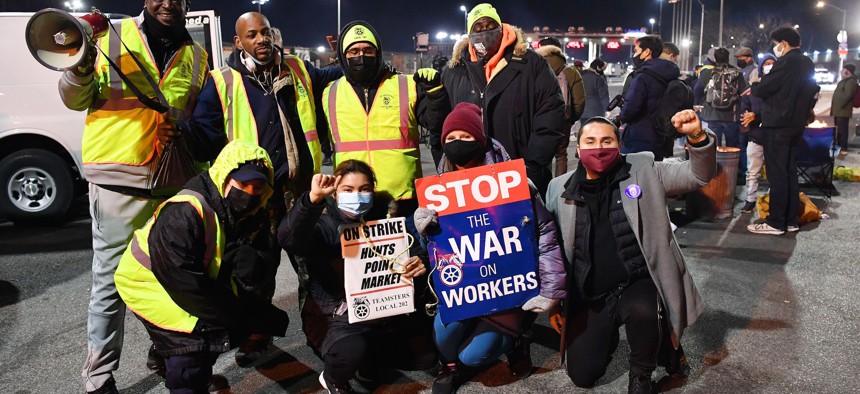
<point x="593" y="332"/>
<point x="407" y="349"/>
<point x="842" y="125"/>
<point x="780" y="157"/>
<point x="189" y="373"/>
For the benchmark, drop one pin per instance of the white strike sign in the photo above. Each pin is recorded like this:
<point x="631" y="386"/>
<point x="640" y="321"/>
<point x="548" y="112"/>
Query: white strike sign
<point x="372" y="253"/>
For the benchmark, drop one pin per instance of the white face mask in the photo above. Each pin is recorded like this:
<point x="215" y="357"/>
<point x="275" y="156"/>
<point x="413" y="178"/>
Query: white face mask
<point x="766" y="69"/>
<point x="776" y="50"/>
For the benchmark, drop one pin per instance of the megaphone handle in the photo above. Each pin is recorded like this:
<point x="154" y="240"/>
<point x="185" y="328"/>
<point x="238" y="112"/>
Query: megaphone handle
<point x="160" y="103"/>
<point x="146" y="100"/>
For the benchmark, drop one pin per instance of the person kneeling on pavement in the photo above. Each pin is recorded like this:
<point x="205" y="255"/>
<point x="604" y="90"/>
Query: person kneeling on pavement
<point x="312" y="230"/>
<point x="482" y="340"/>
<point x="626" y="266"/>
<point x="192" y="275"/>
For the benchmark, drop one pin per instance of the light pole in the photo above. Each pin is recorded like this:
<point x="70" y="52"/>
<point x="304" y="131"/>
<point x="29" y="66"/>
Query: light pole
<point x="701" y="30"/>
<point x="843" y="35"/>
<point x="465" y="17"/>
<point x="259" y="4"/>
<point x="74" y="5"/>
<point x="660" y="20"/>
<point x="720" y="43"/>
<point x="651" y="21"/>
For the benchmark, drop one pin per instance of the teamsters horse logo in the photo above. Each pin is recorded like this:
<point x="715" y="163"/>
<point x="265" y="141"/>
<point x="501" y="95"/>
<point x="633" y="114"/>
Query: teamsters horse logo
<point x="450" y="270"/>
<point x="361" y="307"/>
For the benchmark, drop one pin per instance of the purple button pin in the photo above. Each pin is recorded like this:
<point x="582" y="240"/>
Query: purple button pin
<point x="633" y="191"/>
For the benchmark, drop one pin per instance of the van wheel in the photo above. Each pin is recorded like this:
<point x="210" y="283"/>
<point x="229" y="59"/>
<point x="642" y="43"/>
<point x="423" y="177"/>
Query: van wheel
<point x="36" y="186"/>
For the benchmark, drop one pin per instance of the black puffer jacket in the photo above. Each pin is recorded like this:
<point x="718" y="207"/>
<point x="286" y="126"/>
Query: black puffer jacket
<point x="177" y="246"/>
<point x="522" y="104"/>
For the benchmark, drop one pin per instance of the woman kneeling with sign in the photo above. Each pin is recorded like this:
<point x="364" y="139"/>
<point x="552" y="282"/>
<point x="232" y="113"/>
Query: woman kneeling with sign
<point x="313" y="230"/>
<point x="474" y="215"/>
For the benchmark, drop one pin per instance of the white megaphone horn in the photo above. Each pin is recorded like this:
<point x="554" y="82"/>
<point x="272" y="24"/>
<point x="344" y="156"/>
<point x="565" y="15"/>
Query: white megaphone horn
<point x="58" y="40"/>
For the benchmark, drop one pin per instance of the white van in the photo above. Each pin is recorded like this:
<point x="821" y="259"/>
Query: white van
<point x="40" y="139"/>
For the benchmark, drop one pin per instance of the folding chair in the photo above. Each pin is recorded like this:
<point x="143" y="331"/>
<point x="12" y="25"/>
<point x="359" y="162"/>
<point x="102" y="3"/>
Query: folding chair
<point x="815" y="157"/>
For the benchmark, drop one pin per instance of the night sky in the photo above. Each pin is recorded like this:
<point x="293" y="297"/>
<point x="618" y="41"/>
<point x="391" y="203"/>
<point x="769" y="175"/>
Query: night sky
<point x="306" y="23"/>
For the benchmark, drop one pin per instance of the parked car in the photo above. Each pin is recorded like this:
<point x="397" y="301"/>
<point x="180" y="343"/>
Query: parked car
<point x="824" y="76"/>
<point x="40" y="139"/>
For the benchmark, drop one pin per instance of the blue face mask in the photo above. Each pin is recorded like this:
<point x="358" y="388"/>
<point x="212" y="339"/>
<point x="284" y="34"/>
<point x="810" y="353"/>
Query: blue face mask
<point x="354" y="204"/>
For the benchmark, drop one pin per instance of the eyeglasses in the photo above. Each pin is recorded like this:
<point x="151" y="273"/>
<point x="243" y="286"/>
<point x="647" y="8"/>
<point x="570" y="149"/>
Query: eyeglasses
<point x="366" y="51"/>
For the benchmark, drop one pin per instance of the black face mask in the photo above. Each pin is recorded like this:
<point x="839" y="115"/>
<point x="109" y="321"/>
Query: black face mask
<point x="241" y="203"/>
<point x="363" y="68"/>
<point x="486" y="43"/>
<point x="742" y="63"/>
<point x="637" y="61"/>
<point x="462" y="152"/>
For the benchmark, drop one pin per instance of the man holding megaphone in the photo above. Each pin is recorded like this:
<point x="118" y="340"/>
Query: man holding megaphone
<point x="138" y="96"/>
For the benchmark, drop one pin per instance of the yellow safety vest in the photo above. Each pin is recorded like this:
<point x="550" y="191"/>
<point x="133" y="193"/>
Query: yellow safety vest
<point x="386" y="137"/>
<point x="239" y="119"/>
<point x="119" y="139"/>
<point x="138" y="286"/>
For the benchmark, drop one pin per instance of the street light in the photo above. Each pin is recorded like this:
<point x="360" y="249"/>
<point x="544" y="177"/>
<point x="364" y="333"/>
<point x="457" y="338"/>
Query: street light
<point x="761" y="25"/>
<point x="74" y="5"/>
<point x="651" y="21"/>
<point x="441" y="35"/>
<point x="465" y="17"/>
<point x="321" y="49"/>
<point x="843" y="35"/>
<point x="259" y="4"/>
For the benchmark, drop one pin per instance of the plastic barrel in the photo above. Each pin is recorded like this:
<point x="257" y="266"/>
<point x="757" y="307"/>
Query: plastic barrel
<point x="720" y="192"/>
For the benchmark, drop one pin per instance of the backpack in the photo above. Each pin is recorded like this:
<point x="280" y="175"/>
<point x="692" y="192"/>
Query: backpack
<point x="722" y="90"/>
<point x="677" y="96"/>
<point x="856" y="101"/>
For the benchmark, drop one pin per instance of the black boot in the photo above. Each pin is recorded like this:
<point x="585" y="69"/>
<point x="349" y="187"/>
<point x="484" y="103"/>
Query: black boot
<point x="520" y="358"/>
<point x="639" y="383"/>
<point x="448" y="380"/>
<point x="678" y="366"/>
<point x="108" y="388"/>
<point x="155" y="362"/>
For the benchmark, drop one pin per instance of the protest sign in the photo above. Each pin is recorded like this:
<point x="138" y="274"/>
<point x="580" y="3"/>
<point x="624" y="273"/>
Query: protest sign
<point x="373" y="253"/>
<point x="485" y="250"/>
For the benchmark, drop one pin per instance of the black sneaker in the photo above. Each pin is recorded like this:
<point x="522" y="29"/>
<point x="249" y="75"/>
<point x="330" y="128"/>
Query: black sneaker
<point x="108" y="388"/>
<point x="326" y="161"/>
<point x="749" y="207"/>
<point x="333" y="387"/>
<point x="448" y="380"/>
<point x="520" y="359"/>
<point x="155" y="362"/>
<point x="639" y="384"/>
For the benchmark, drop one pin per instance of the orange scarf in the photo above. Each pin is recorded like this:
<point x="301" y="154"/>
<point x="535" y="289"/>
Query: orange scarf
<point x="509" y="37"/>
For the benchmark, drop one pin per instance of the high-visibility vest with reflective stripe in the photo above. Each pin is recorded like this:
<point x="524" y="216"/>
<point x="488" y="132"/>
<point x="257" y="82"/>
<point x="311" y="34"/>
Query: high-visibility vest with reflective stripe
<point x="138" y="286"/>
<point x="239" y="121"/>
<point x="386" y="137"/>
<point x="119" y="137"/>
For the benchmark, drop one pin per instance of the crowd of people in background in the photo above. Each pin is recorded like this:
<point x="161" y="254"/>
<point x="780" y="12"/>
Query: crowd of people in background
<point x="196" y="263"/>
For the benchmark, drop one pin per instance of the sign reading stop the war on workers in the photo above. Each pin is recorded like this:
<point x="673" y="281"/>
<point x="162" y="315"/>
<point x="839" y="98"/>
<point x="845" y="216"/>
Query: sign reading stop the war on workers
<point x="373" y="289"/>
<point x="485" y="251"/>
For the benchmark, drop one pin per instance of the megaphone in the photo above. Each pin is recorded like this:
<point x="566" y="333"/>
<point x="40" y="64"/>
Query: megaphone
<point x="58" y="40"/>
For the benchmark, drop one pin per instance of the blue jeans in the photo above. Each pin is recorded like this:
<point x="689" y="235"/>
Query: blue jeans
<point x="483" y="342"/>
<point x="731" y="130"/>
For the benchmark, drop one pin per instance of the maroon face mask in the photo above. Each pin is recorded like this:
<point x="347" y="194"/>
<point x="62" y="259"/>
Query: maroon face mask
<point x="600" y="160"/>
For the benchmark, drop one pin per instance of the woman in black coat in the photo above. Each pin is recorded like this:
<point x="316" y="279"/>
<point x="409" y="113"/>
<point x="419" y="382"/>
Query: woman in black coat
<point x="311" y="230"/>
